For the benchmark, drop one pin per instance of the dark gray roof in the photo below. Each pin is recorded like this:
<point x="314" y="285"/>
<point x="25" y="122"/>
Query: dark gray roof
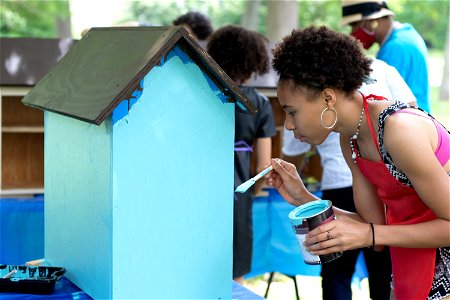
<point x="107" y="65"/>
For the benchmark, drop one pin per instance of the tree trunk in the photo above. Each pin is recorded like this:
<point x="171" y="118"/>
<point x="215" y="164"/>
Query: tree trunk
<point x="444" y="94"/>
<point x="250" y="18"/>
<point x="63" y="27"/>
<point x="282" y="18"/>
<point x="63" y="24"/>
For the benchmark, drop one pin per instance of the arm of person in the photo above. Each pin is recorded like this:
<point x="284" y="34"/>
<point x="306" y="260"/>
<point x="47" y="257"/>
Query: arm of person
<point x="350" y="230"/>
<point x="411" y="142"/>
<point x="265" y="130"/>
<point x="263" y="156"/>
<point x="288" y="183"/>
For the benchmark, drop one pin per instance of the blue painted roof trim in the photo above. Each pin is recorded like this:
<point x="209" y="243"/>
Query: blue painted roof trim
<point x="185" y="58"/>
<point x="122" y="109"/>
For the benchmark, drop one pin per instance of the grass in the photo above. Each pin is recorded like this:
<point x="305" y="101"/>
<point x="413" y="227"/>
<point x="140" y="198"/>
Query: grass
<point x="440" y="109"/>
<point x="309" y="287"/>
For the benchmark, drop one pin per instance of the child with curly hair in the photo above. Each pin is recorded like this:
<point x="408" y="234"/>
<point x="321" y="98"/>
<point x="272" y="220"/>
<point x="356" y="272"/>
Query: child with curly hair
<point x="197" y="24"/>
<point x="398" y="156"/>
<point x="240" y="53"/>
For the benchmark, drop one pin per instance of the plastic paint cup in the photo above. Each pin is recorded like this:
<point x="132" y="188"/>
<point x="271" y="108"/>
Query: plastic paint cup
<point x="301" y="230"/>
<point x="305" y="218"/>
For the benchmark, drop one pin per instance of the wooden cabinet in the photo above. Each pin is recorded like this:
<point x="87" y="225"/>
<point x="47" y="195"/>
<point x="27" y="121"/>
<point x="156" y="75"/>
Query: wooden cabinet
<point x="23" y="62"/>
<point x="21" y="144"/>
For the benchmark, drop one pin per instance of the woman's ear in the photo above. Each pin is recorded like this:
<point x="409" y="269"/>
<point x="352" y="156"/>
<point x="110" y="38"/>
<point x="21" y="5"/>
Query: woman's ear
<point x="329" y="97"/>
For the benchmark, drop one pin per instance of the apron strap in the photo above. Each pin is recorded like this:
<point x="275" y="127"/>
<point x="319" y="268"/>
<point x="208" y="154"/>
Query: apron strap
<point x="369" y="120"/>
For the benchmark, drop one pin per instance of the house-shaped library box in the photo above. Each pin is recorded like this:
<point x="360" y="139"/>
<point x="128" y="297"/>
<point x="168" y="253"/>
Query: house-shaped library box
<point x="138" y="150"/>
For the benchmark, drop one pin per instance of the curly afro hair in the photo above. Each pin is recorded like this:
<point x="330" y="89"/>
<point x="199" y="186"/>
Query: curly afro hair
<point x="198" y="22"/>
<point x="318" y="57"/>
<point x="239" y="52"/>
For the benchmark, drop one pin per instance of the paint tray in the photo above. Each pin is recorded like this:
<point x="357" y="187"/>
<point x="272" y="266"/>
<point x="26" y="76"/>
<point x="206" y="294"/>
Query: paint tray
<point x="29" y="279"/>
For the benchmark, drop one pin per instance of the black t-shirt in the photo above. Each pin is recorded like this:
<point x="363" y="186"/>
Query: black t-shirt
<point x="249" y="127"/>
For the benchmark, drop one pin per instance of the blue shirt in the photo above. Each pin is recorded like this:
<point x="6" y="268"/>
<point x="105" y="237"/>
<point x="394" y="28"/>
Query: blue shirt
<point x="406" y="51"/>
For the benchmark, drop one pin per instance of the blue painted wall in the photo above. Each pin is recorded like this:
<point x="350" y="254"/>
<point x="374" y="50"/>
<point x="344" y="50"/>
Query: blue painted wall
<point x="173" y="189"/>
<point x="144" y="208"/>
<point x="78" y="177"/>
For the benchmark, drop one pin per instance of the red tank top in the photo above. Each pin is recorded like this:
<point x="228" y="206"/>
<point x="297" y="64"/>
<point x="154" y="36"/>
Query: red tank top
<point x="413" y="269"/>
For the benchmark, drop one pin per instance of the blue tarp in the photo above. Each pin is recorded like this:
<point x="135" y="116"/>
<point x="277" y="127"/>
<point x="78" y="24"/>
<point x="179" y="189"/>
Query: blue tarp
<point x="275" y="248"/>
<point x="21" y="230"/>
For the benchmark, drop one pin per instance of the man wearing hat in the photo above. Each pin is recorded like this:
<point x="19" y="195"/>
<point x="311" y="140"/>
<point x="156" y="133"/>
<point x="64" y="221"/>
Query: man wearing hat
<point x="401" y="45"/>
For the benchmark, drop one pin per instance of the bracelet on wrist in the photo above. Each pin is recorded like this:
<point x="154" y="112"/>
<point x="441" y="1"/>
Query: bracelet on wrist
<point x="373" y="236"/>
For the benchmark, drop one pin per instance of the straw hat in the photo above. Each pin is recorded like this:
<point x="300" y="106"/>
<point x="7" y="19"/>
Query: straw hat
<point x="357" y="10"/>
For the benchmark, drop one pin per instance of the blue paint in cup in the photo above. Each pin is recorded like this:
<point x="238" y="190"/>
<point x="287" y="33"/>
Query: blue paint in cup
<point x="305" y="218"/>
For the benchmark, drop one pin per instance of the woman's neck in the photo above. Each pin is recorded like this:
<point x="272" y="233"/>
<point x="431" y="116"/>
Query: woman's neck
<point x="349" y="112"/>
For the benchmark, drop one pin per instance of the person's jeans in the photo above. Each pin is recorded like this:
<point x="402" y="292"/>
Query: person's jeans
<point x="337" y="276"/>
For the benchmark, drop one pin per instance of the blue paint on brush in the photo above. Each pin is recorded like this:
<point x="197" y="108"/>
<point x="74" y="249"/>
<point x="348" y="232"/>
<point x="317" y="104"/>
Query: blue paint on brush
<point x="249" y="183"/>
<point x="241" y="106"/>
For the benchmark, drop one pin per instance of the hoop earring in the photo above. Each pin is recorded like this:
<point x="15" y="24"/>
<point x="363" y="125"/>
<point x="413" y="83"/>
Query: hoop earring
<point x="321" y="118"/>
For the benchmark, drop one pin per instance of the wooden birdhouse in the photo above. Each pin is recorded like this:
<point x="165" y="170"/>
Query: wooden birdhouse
<point x="139" y="148"/>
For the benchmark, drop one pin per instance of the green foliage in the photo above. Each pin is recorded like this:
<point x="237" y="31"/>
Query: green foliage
<point x="154" y="13"/>
<point x="230" y="12"/>
<point x="440" y="109"/>
<point x="164" y="12"/>
<point x="225" y="12"/>
<point x="20" y="18"/>
<point x="37" y="18"/>
<point x="324" y="12"/>
<point x="430" y="18"/>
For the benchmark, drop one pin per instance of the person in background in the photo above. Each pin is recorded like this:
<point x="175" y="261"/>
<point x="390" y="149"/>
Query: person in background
<point x="197" y="24"/>
<point x="401" y="45"/>
<point x="399" y="157"/>
<point x="240" y="53"/>
<point x="336" y="186"/>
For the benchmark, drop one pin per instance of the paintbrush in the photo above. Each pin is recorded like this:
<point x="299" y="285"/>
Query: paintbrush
<point x="246" y="185"/>
<point x="10" y="274"/>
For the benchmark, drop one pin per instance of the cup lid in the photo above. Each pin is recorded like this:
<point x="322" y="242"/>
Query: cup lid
<point x="308" y="210"/>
